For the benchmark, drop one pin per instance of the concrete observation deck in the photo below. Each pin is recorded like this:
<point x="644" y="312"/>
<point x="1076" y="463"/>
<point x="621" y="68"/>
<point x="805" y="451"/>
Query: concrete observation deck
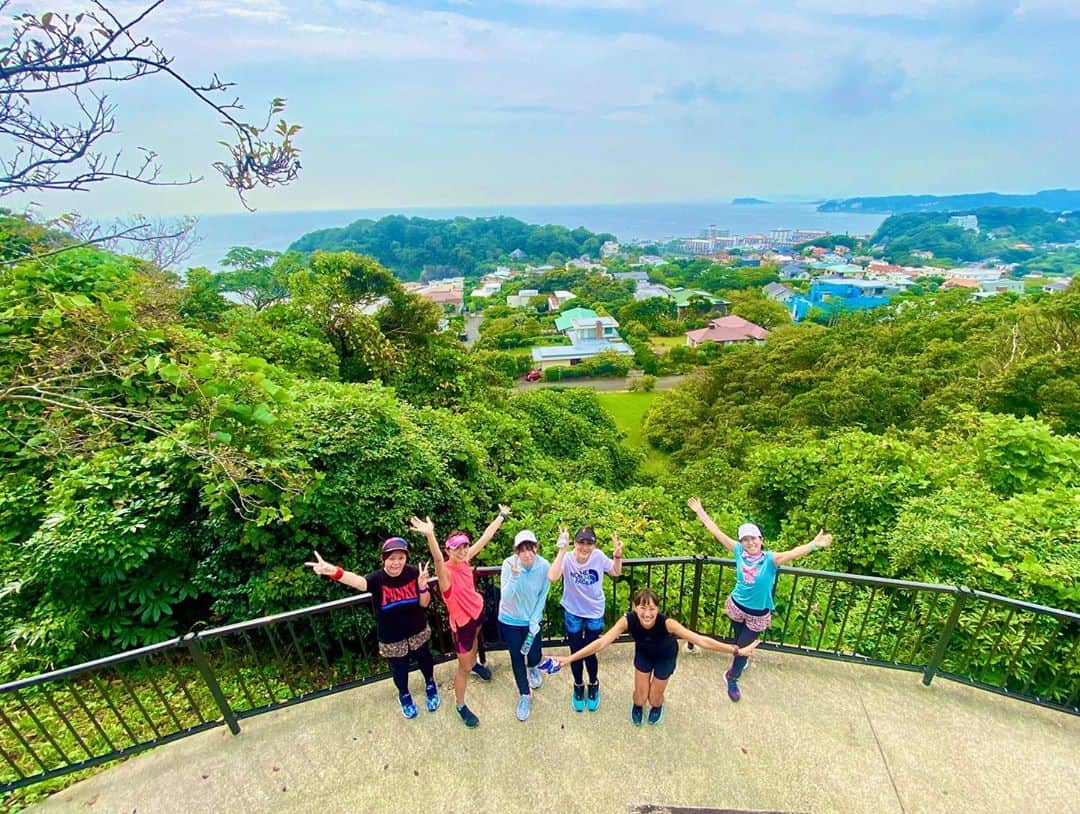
<point x="809" y="735"/>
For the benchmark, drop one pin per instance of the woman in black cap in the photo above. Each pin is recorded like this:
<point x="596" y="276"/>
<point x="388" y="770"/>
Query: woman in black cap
<point x="399" y="593"/>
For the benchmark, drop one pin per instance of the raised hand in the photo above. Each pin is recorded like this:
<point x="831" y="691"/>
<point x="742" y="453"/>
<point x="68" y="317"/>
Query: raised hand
<point x="422" y="579"/>
<point x="504" y="509"/>
<point x="822" y="540"/>
<point x="515" y="566"/>
<point x="617" y="550"/>
<point x="695" y="505"/>
<point x="424" y="526"/>
<point x="321" y="566"/>
<point x="564" y="537"/>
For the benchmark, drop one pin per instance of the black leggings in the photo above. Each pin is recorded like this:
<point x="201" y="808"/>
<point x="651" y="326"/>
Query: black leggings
<point x="514" y="636"/>
<point x="577" y="642"/>
<point x="743" y="637"/>
<point x="399" y="667"/>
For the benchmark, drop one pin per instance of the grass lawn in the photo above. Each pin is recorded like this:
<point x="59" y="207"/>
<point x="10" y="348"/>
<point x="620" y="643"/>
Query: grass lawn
<point x="662" y="344"/>
<point x="628" y="409"/>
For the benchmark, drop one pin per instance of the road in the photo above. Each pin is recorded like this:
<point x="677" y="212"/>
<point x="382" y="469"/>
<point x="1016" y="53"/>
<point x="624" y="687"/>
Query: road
<point x="619" y="383"/>
<point x="472" y="328"/>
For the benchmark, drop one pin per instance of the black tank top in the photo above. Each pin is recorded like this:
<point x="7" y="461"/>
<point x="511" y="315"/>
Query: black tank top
<point x="654" y="642"/>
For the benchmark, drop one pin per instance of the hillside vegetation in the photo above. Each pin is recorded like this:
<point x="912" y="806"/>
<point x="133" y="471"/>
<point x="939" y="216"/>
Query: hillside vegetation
<point x="169" y="457"/>
<point x="408" y="246"/>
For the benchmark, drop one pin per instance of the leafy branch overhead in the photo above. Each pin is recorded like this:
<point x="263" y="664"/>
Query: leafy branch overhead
<point x="56" y="115"/>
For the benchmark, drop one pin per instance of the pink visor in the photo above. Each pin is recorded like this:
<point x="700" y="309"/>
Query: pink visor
<point x="457" y="540"/>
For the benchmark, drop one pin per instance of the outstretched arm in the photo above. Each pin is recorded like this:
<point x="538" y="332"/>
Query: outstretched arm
<point x="337" y="573"/>
<point x="822" y="540"/>
<point x="427" y="528"/>
<point x="714" y="530"/>
<point x="614" y="632"/>
<point x="676" y="629"/>
<point x="489" y="532"/>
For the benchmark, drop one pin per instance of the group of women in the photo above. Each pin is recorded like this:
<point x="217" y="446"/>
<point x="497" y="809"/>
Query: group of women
<point x="400" y="595"/>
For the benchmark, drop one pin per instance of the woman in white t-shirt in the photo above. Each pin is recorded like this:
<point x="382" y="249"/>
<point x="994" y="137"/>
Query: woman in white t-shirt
<point x="582" y="573"/>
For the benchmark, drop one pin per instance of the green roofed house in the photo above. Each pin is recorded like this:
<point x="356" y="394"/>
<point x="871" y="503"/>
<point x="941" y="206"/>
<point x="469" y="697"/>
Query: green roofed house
<point x="682" y="296"/>
<point x="566" y="318"/>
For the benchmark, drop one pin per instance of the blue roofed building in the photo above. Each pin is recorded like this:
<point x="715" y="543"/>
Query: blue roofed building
<point x="589" y="334"/>
<point x="831" y="294"/>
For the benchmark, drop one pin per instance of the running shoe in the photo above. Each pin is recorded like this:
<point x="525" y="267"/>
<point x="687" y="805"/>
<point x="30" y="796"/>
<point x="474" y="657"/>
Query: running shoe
<point x="636" y="715"/>
<point x="482" y="671"/>
<point x="524" y="707"/>
<point x="656" y="714"/>
<point x="408" y="708"/>
<point x="433" y="701"/>
<point x="468" y="716"/>
<point x="592" y="701"/>
<point x="577" y="700"/>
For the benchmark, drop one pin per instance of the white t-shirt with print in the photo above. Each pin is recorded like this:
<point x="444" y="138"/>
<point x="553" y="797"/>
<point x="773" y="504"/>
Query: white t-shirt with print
<point x="583" y="584"/>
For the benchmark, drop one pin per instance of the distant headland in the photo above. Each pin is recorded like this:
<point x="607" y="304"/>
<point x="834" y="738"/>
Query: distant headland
<point x="1053" y="200"/>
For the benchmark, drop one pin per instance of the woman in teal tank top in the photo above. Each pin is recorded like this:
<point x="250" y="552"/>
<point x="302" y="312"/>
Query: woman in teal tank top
<point x="750" y="605"/>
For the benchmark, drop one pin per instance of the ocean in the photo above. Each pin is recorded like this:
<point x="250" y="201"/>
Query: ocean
<point x="643" y="221"/>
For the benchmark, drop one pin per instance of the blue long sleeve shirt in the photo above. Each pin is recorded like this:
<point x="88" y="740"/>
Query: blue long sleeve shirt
<point x="524" y="594"/>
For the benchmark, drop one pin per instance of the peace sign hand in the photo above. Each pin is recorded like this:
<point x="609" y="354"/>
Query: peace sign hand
<point x="422" y="579"/>
<point x="321" y="566"/>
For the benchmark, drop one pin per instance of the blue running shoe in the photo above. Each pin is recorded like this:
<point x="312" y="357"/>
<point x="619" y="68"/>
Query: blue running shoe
<point x="408" y="708"/>
<point x="732" y="687"/>
<point x="433" y="701"/>
<point x="483" y="672"/>
<point x="592" y="700"/>
<point x="656" y="714"/>
<point x="636" y="715"/>
<point x="536" y="678"/>
<point x="468" y="716"/>
<point x="577" y="700"/>
<point x="524" y="707"/>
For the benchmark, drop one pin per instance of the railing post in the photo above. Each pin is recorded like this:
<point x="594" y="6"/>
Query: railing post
<point x="695" y="597"/>
<point x="960" y="598"/>
<point x="193" y="646"/>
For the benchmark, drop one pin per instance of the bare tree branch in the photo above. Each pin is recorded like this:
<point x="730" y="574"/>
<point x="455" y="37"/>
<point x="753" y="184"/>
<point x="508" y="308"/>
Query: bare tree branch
<point x="65" y="56"/>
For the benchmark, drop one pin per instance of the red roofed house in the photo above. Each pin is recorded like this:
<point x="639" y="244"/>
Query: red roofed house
<point x="726" y="330"/>
<point x="447" y="299"/>
<point x="960" y="282"/>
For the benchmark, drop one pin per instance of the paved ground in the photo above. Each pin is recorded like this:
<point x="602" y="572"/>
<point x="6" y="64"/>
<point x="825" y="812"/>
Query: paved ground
<point x="809" y="736"/>
<point x="618" y="383"/>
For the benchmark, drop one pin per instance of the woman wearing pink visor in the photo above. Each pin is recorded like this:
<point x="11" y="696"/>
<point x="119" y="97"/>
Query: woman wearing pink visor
<point x="464" y="604"/>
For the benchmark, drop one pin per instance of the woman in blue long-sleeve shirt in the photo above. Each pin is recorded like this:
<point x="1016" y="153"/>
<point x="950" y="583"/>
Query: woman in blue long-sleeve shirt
<point x="524" y="582"/>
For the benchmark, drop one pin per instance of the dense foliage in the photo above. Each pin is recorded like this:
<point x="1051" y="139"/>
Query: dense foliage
<point x="446" y="248"/>
<point x="169" y="457"/>
<point x="1010" y="235"/>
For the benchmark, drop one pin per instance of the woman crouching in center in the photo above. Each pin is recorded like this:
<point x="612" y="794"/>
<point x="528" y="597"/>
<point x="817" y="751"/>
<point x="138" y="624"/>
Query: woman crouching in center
<point x="655" y="651"/>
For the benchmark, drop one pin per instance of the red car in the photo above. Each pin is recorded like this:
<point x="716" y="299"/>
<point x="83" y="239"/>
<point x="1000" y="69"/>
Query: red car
<point x="534" y="375"/>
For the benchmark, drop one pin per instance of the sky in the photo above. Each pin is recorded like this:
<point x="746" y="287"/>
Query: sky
<point x="489" y="102"/>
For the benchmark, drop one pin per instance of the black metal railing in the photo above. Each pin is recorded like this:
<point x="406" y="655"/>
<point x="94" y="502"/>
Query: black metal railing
<point x="79" y="717"/>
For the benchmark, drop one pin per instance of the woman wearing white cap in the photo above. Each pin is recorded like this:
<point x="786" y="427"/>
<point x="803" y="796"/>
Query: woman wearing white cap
<point x="750" y="605"/>
<point x="524" y="590"/>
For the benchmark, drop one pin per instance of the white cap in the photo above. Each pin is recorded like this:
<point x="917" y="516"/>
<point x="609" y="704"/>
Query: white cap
<point x="524" y="536"/>
<point x="749" y="530"/>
